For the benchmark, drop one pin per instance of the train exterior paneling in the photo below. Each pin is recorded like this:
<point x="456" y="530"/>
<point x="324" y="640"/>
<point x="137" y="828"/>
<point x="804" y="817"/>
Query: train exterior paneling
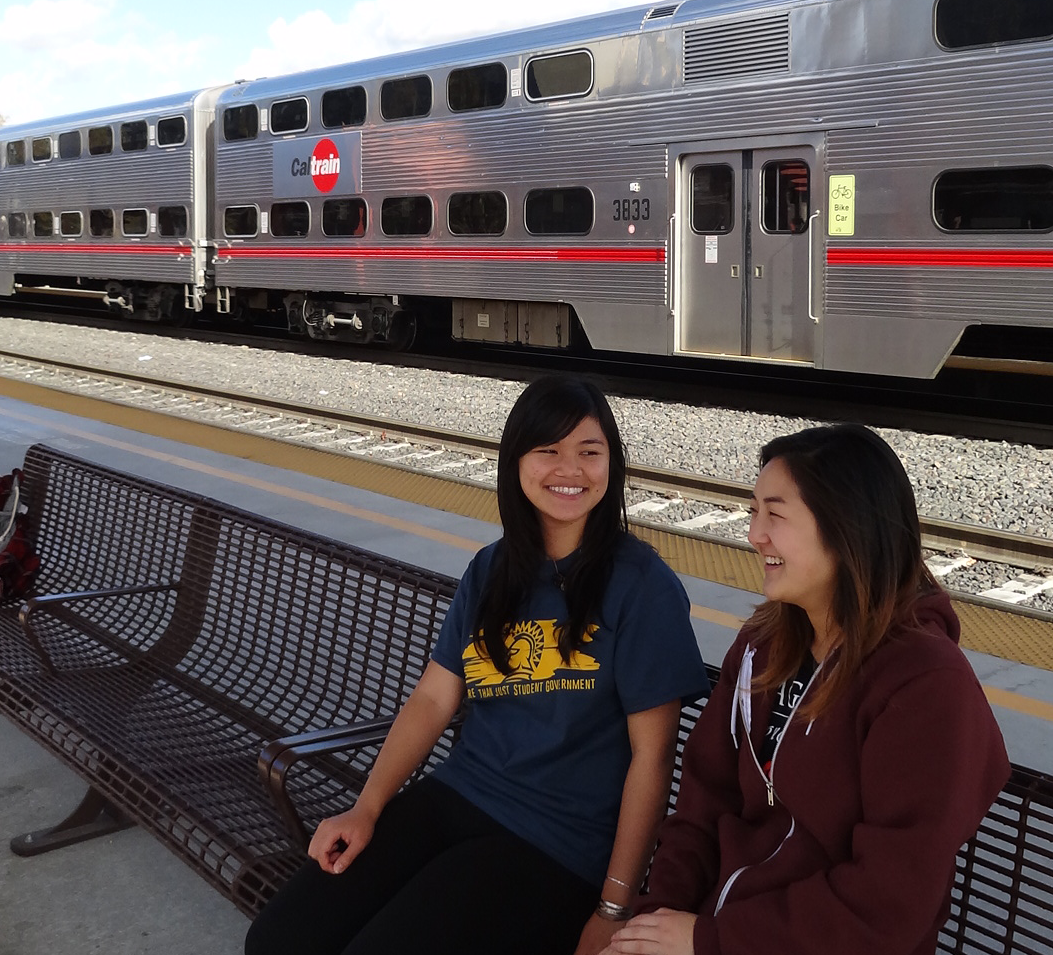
<point x="768" y="181"/>
<point x="616" y="280"/>
<point x="140" y="185"/>
<point x="844" y="88"/>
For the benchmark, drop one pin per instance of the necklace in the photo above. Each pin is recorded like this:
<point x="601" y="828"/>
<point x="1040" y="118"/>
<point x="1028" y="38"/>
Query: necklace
<point x="558" y="578"/>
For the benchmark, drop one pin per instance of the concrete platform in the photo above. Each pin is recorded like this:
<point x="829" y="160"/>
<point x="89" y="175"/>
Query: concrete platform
<point x="120" y="895"/>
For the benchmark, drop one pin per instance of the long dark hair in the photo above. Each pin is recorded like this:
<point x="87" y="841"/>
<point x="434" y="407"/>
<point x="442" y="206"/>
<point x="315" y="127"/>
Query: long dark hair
<point x="546" y="412"/>
<point x="863" y="504"/>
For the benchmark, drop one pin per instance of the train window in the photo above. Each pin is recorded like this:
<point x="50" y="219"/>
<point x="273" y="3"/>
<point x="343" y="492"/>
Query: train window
<point x="42" y="149"/>
<point x="241" y="221"/>
<point x="241" y="122"/>
<point x="100" y="222"/>
<point x="16" y="225"/>
<point x="344" y="217"/>
<point x="712" y="199"/>
<point x="43" y="224"/>
<point x="565" y="74"/>
<point x="406" y="215"/>
<point x="71" y="223"/>
<point x="289" y="115"/>
<point x="135" y="222"/>
<point x="133" y="136"/>
<point x="784" y="196"/>
<point x="69" y="145"/>
<point x="290" y="219"/>
<point x="963" y="23"/>
<point x="477" y="213"/>
<point x="477" y="87"/>
<point x="402" y="99"/>
<point x="171" y="131"/>
<point x="172" y="221"/>
<point x="1009" y="199"/>
<point x="100" y="140"/>
<point x="345" y="107"/>
<point x="16" y="153"/>
<point x="559" y="211"/>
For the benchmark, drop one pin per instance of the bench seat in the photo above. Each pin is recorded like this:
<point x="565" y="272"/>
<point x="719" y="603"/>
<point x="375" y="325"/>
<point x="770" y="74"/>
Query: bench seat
<point x="170" y="637"/>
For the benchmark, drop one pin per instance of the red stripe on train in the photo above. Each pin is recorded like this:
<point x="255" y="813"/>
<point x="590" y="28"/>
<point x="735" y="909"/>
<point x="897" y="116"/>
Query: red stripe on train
<point x="71" y="248"/>
<point x="944" y="258"/>
<point x="612" y="256"/>
<point x="418" y="252"/>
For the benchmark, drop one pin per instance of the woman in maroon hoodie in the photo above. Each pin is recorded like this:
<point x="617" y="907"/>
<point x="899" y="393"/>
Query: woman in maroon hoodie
<point x="847" y="751"/>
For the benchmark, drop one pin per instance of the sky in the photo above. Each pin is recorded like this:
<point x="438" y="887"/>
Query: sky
<point x="65" y="56"/>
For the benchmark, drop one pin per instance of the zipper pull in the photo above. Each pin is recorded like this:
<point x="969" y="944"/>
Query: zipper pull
<point x="771" y="793"/>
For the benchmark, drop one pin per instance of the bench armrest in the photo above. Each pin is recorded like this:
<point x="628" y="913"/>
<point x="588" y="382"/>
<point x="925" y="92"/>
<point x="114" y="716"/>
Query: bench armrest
<point x="43" y="604"/>
<point x="279" y="756"/>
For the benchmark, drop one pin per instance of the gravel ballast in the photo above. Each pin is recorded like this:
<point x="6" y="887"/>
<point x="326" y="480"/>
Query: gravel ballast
<point x="989" y="483"/>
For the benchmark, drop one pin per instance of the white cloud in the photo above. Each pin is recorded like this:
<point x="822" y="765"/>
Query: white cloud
<point x="41" y="24"/>
<point x="376" y="27"/>
<point x="64" y="56"/>
<point x="67" y="56"/>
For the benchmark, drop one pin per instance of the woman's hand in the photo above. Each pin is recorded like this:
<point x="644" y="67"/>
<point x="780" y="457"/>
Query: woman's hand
<point x="665" y="932"/>
<point x="427" y="712"/>
<point x="338" y="839"/>
<point x="596" y="935"/>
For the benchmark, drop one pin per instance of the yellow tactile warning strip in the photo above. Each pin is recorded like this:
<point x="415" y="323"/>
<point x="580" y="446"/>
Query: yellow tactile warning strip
<point x="1006" y="633"/>
<point x="468" y="500"/>
<point x="1019" y="703"/>
<point x="1001" y="632"/>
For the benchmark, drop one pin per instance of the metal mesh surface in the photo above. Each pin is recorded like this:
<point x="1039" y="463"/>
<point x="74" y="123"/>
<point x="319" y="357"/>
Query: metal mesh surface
<point x="163" y="701"/>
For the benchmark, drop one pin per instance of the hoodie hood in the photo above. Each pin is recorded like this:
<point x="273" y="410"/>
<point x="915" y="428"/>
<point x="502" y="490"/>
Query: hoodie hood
<point x="934" y="614"/>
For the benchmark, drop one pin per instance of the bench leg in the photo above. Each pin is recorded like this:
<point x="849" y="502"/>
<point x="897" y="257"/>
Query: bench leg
<point x="95" y="816"/>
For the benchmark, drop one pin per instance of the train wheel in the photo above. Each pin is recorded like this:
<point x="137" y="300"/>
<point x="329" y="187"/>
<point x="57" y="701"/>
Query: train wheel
<point x="179" y="316"/>
<point x="403" y="332"/>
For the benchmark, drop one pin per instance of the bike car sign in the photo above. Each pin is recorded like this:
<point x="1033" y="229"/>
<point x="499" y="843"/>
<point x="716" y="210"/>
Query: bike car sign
<point x="842" y="218"/>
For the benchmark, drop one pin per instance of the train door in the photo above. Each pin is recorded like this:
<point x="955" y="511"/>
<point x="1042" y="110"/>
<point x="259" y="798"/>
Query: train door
<point x="742" y="258"/>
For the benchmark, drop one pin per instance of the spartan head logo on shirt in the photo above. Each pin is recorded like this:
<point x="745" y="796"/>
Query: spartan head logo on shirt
<point x="526" y="647"/>
<point x="533" y="654"/>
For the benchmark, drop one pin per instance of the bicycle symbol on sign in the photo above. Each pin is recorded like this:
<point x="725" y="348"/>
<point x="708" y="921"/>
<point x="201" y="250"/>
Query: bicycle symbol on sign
<point x="841" y="191"/>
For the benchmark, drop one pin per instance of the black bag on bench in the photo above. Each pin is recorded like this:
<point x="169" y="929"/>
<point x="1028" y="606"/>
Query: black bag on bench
<point x="19" y="563"/>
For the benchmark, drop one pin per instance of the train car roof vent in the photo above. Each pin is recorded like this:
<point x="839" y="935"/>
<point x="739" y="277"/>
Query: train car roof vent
<point x="741" y="48"/>
<point x="657" y="13"/>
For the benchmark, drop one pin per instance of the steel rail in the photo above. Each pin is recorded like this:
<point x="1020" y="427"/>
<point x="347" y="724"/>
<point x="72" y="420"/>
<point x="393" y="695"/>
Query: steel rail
<point x="938" y="535"/>
<point x="901" y="405"/>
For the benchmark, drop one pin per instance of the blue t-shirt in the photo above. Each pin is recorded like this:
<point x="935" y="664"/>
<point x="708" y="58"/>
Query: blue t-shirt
<point x="545" y="750"/>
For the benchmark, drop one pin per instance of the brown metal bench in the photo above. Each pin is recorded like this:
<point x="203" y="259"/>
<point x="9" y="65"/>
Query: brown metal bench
<point x="1002" y="900"/>
<point x="169" y="637"/>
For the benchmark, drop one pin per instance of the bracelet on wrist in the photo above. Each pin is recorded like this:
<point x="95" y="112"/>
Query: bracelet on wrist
<point x="624" y="885"/>
<point x="613" y="912"/>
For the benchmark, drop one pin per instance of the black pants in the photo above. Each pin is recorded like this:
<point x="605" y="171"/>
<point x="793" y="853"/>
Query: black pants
<point x="438" y="876"/>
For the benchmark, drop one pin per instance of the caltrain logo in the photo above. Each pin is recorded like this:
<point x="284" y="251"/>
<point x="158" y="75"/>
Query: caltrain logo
<point x="323" y="165"/>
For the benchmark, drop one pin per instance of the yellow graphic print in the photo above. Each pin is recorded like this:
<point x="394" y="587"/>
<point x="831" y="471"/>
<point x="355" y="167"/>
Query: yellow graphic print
<point x="535" y="658"/>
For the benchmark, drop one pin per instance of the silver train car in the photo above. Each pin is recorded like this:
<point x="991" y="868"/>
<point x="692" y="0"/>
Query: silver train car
<point x="847" y="185"/>
<point x="116" y="200"/>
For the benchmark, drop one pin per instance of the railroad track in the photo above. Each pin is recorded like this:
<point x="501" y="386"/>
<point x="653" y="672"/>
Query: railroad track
<point x="704" y="506"/>
<point x="959" y="402"/>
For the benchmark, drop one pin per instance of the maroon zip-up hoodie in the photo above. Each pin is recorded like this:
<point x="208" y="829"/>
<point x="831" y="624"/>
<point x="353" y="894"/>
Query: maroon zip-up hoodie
<point x="852" y="852"/>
